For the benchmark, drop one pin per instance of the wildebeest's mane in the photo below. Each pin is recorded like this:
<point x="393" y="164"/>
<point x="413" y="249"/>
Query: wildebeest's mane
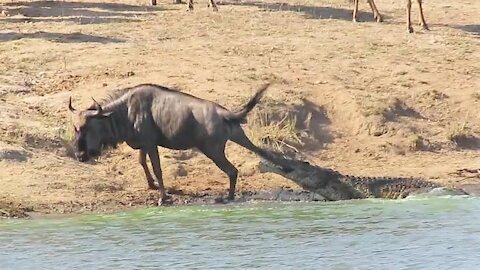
<point x="118" y="93"/>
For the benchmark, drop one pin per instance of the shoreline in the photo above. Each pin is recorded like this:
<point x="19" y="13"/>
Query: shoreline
<point x="12" y="210"/>
<point x="24" y="210"/>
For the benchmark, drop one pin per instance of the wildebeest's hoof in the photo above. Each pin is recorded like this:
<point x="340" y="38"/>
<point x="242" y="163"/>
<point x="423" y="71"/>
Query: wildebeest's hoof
<point x="165" y="201"/>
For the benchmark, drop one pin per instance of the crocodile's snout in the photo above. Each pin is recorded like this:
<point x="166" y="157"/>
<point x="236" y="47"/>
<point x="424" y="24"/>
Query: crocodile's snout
<point x="267" y="166"/>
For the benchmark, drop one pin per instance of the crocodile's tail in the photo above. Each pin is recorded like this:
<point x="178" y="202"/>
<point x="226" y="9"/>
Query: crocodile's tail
<point x="389" y="187"/>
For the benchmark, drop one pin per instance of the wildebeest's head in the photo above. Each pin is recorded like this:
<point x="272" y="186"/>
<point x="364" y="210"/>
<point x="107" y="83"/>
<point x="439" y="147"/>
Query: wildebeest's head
<point x="89" y="128"/>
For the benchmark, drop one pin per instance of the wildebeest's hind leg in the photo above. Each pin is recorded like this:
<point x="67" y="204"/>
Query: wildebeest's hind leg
<point x="217" y="155"/>
<point x="157" y="170"/>
<point x="239" y="137"/>
<point x="142" y="159"/>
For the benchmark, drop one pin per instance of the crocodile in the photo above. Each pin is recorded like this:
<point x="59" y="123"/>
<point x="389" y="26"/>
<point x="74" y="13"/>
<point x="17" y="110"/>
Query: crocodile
<point x="333" y="186"/>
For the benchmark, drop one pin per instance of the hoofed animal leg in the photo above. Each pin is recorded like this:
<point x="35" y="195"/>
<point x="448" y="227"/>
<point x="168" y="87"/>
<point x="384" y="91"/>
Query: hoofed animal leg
<point x="218" y="157"/>
<point x="355" y="11"/>
<point x="409" y="22"/>
<point x="157" y="170"/>
<point x="422" y="18"/>
<point x="239" y="137"/>
<point x="142" y="159"/>
<point x="213" y="5"/>
<point x="190" y="5"/>
<point x="376" y="13"/>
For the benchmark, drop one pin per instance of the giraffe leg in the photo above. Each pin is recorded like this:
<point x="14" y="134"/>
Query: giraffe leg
<point x="213" y="5"/>
<point x="422" y="18"/>
<point x="190" y="5"/>
<point x="409" y="22"/>
<point x="355" y="11"/>
<point x="376" y="13"/>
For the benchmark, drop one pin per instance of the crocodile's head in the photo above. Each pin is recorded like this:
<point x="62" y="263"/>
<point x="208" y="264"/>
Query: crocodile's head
<point x="322" y="181"/>
<point x="288" y="166"/>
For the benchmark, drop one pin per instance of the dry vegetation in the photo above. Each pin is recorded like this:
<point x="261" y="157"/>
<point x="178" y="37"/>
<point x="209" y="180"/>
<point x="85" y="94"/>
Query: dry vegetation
<point x="365" y="98"/>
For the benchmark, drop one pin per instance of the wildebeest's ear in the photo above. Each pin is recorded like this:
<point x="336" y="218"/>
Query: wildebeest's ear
<point x="70" y="107"/>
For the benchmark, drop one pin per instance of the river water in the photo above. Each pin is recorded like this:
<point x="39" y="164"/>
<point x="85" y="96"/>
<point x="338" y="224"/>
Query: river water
<point x="415" y="233"/>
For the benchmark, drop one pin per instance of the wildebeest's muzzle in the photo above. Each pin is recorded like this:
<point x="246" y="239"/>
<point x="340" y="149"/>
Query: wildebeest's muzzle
<point x="84" y="156"/>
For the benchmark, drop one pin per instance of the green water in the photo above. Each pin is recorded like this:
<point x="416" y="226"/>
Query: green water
<point x="418" y="233"/>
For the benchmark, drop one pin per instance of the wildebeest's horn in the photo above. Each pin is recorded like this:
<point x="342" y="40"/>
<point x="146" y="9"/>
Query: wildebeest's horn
<point x="97" y="106"/>
<point x="70" y="107"/>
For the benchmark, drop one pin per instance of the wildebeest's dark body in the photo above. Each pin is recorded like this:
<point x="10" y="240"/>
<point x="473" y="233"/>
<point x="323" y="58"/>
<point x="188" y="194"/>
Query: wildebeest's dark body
<point x="147" y="116"/>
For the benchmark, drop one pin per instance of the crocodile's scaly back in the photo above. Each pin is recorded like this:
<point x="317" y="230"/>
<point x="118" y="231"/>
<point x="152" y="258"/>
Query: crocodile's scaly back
<point x="388" y="187"/>
<point x="335" y="186"/>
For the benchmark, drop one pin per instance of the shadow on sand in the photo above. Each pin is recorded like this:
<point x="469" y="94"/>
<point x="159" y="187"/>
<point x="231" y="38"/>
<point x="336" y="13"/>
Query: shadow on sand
<point x="59" y="37"/>
<point x="310" y="12"/>
<point x="82" y="13"/>
<point x="470" y="28"/>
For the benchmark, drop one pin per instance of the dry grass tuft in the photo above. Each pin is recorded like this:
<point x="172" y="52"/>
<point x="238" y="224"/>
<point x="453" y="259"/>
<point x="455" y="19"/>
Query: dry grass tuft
<point x="66" y="136"/>
<point x="418" y="143"/>
<point x="274" y="134"/>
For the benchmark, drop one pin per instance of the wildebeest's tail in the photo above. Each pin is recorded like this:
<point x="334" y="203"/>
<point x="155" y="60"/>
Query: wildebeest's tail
<point x="239" y="116"/>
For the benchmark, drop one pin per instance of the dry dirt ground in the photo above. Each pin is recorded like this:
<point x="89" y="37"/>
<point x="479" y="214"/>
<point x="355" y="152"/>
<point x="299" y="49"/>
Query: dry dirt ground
<point x="364" y="99"/>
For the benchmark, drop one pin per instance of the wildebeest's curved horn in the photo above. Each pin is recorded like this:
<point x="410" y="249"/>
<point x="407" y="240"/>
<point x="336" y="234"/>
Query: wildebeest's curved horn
<point x="70" y="107"/>
<point x="97" y="106"/>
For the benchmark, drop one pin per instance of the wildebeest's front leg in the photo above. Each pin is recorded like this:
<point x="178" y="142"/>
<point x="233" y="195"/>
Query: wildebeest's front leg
<point x="142" y="159"/>
<point x="217" y="155"/>
<point x="157" y="170"/>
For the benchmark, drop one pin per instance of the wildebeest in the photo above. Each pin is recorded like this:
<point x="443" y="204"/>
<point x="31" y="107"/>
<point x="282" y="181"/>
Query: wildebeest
<point x="147" y="115"/>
